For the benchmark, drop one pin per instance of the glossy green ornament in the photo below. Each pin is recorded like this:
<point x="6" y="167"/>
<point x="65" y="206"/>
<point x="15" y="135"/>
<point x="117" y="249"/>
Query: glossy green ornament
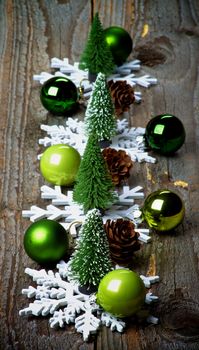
<point x="59" y="96"/>
<point x="120" y="43"/>
<point x="59" y="164"/>
<point x="46" y="241"/>
<point x="121" y="292"/>
<point x="163" y="210"/>
<point x="165" y="133"/>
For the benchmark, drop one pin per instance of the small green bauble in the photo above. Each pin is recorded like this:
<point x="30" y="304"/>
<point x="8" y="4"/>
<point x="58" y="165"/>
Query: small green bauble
<point x="163" y="210"/>
<point x="46" y="241"/>
<point x="120" y="43"/>
<point x="59" y="96"/>
<point x="59" y="164"/>
<point x="165" y="134"/>
<point x="121" y="292"/>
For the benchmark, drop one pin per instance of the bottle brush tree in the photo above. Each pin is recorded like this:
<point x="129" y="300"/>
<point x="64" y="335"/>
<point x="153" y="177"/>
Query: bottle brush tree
<point x="97" y="56"/>
<point x="90" y="261"/>
<point x="93" y="187"/>
<point x="100" y="113"/>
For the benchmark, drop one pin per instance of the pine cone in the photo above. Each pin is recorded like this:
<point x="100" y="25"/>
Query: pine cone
<point x="122" y="95"/>
<point x="119" y="164"/>
<point x="123" y="240"/>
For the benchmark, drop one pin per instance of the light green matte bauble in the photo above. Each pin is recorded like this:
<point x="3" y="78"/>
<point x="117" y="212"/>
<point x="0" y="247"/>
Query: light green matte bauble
<point x="59" y="164"/>
<point x="121" y="292"/>
<point x="46" y="241"/>
<point x="163" y="210"/>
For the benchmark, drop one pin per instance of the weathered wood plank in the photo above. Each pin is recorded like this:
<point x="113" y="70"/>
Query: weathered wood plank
<point x="31" y="33"/>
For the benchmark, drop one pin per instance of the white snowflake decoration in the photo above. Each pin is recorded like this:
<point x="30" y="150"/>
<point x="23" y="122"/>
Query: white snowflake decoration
<point x="80" y="77"/>
<point x="131" y="140"/>
<point x="124" y="207"/>
<point x="62" y="299"/>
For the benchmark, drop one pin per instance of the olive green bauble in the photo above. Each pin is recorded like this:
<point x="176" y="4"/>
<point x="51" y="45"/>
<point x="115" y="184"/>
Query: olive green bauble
<point x="163" y="210"/>
<point x="46" y="241"/>
<point x="121" y="292"/>
<point x="59" y="96"/>
<point x="165" y="134"/>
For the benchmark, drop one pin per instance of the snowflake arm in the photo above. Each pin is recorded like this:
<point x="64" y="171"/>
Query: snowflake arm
<point x="148" y="280"/>
<point x="150" y="298"/>
<point x="43" y="307"/>
<point x="44" y="292"/>
<point x="113" y="322"/>
<point x="87" y="324"/>
<point x="152" y="319"/>
<point x="60" y="317"/>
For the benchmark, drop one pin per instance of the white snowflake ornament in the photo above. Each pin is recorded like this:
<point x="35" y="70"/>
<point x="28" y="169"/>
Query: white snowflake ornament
<point x="80" y="77"/>
<point x="67" y="212"/>
<point x="57" y="295"/>
<point x="131" y="140"/>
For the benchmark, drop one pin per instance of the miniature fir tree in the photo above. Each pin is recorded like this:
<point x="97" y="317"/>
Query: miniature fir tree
<point x="97" y="56"/>
<point x="91" y="260"/>
<point x="100" y="114"/>
<point x="94" y="187"/>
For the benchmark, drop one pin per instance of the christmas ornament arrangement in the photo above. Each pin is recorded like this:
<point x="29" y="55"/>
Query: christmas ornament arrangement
<point x="93" y="159"/>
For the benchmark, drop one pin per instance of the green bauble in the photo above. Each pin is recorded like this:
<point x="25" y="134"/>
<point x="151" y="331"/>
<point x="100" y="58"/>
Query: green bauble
<point x="59" y="96"/>
<point x="163" y="210"/>
<point x="120" y="43"/>
<point x="46" y="241"/>
<point x="165" y="134"/>
<point x="121" y="292"/>
<point x="59" y="164"/>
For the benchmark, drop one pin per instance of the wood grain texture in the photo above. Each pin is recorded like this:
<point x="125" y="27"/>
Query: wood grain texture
<point x="31" y="33"/>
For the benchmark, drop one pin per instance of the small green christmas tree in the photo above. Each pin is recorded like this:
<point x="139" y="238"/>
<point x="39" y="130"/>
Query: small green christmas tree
<point x="97" y="56"/>
<point x="94" y="187"/>
<point x="100" y="113"/>
<point x="91" y="260"/>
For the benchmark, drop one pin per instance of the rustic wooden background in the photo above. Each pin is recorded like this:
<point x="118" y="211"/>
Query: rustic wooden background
<point x="31" y="33"/>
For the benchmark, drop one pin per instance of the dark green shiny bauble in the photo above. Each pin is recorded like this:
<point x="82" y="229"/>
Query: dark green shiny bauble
<point x="59" y="96"/>
<point x="165" y="134"/>
<point x="119" y="42"/>
<point x="163" y="210"/>
<point x="46" y="241"/>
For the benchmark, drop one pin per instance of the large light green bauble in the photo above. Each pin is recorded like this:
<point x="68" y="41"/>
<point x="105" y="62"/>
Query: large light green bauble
<point x="46" y="241"/>
<point x="59" y="164"/>
<point x="163" y="210"/>
<point x="121" y="292"/>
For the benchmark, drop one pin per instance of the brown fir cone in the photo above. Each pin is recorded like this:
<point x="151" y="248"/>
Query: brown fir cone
<point x="123" y="240"/>
<point x="122" y="95"/>
<point x="119" y="164"/>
